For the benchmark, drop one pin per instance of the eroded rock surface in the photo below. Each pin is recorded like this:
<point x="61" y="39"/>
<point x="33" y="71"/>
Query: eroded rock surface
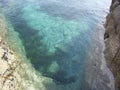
<point x="112" y="41"/>
<point x="8" y="65"/>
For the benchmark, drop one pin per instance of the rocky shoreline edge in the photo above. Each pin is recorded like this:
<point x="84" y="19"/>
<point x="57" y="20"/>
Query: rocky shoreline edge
<point x="16" y="73"/>
<point x="8" y="66"/>
<point x="112" y="41"/>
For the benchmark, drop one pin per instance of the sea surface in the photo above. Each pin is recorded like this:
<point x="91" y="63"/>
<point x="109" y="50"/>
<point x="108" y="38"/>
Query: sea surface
<point x="62" y="40"/>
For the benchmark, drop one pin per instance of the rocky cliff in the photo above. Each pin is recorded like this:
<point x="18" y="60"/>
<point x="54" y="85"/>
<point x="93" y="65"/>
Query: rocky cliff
<point x="112" y="41"/>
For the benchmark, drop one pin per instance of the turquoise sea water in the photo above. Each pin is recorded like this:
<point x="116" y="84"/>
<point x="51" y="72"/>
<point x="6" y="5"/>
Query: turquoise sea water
<point x="57" y="34"/>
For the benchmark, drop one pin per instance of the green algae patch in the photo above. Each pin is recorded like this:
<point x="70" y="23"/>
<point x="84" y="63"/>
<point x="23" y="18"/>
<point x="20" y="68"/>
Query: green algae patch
<point x="12" y="37"/>
<point x="3" y="26"/>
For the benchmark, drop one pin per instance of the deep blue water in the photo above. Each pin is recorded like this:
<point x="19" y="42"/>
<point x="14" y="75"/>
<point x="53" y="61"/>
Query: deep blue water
<point x="57" y="34"/>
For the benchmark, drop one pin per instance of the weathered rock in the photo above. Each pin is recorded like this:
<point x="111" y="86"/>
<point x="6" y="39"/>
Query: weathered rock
<point x="8" y="65"/>
<point x="112" y="41"/>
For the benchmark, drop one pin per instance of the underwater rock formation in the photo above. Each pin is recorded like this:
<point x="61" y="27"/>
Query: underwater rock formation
<point x="112" y="41"/>
<point x="53" y="39"/>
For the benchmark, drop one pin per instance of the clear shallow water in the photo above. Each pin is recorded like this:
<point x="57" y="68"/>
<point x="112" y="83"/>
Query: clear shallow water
<point x="57" y="34"/>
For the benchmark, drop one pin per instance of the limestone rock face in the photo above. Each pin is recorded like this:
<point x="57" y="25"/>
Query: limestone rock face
<point x="112" y="41"/>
